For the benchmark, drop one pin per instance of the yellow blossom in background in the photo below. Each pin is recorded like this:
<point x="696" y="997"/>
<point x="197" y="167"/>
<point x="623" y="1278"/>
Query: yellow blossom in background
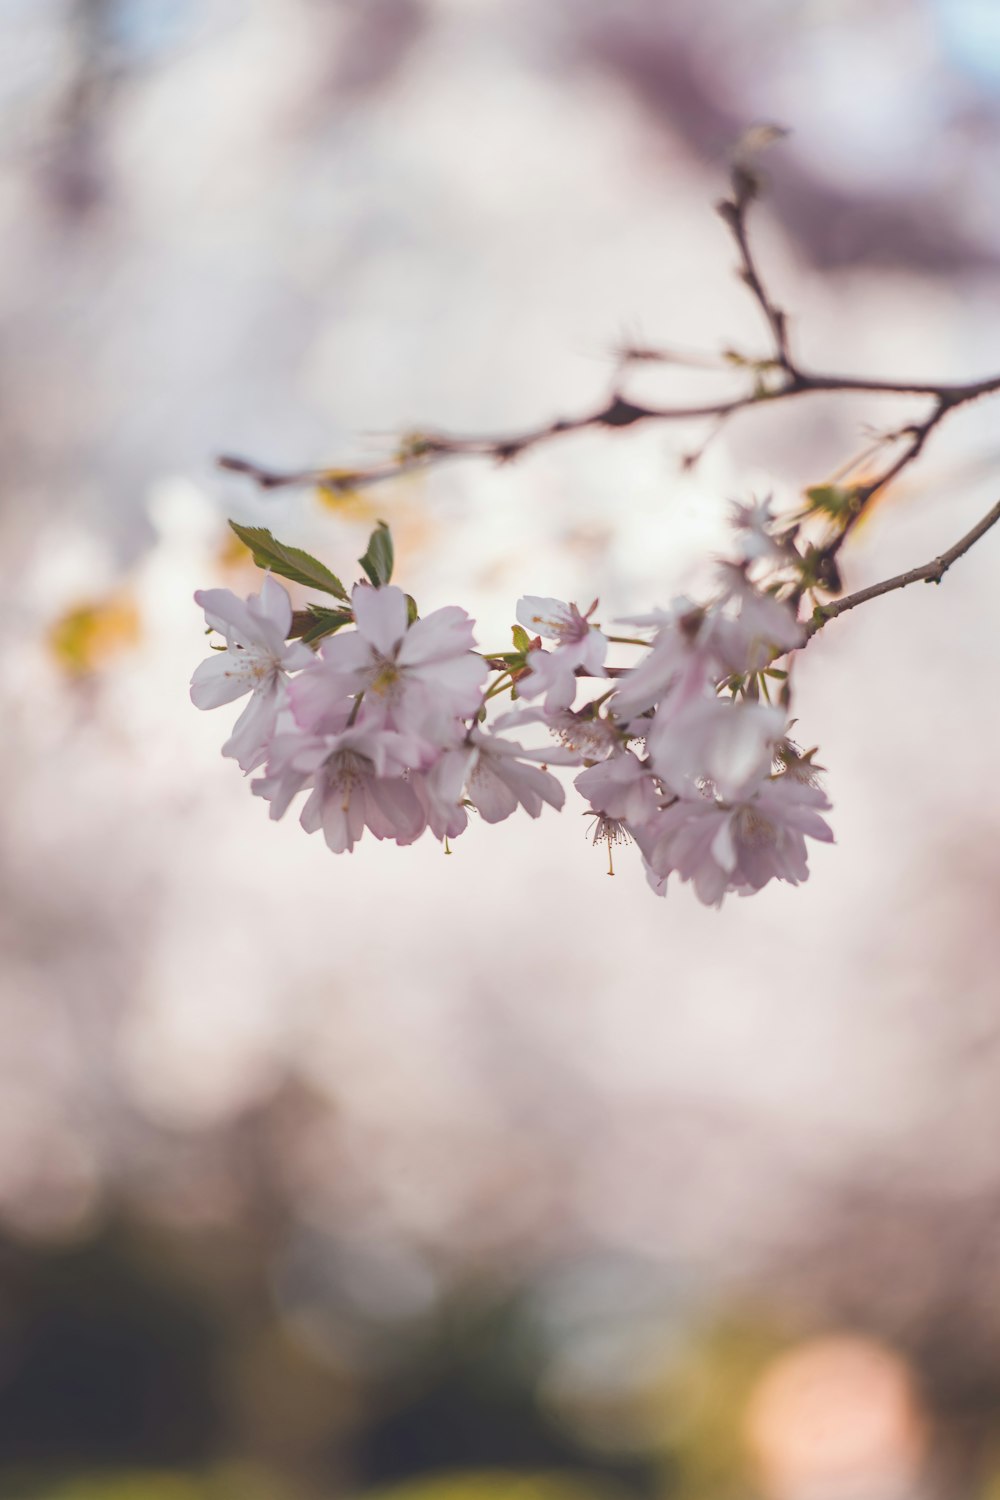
<point x="87" y="636"/>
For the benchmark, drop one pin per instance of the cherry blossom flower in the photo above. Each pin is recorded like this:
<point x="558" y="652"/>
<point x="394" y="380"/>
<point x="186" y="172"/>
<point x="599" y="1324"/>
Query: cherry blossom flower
<point x="580" y="645"/>
<point x="293" y="758"/>
<point x="738" y="846"/>
<point x="590" y="734"/>
<point x="754" y="526"/>
<point x="501" y="778"/>
<point x="383" y="729"/>
<point x="728" y="743"/>
<point x="764" y="626"/>
<point x="439" y="792"/>
<point x="623" y="788"/>
<point x="256" y="660"/>
<point x="683" y="660"/>
<point x="360" y="784"/>
<point x="610" y="831"/>
<point x="423" y="677"/>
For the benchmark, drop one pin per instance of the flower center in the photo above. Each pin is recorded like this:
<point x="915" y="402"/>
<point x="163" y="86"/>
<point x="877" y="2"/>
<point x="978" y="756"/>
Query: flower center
<point x="386" y="675"/>
<point x="753" y="829"/>
<point x="345" y="771"/>
<point x="609" y="831"/>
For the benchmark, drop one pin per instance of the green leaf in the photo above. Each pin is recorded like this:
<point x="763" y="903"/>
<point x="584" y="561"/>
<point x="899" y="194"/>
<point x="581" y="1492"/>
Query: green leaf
<point x="324" y="622"/>
<point x="835" y="500"/>
<point x="412" y="612"/>
<point x="522" y="640"/>
<point x="289" y="562"/>
<point x="377" y="561"/>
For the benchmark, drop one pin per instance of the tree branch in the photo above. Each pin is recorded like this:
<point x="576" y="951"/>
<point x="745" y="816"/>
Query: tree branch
<point x="422" y="450"/>
<point x="426" y="449"/>
<point x="931" y="572"/>
<point x="733" y="212"/>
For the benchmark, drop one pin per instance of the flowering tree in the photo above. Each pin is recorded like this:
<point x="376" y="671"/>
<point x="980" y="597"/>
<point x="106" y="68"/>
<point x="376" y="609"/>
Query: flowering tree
<point x="387" y="719"/>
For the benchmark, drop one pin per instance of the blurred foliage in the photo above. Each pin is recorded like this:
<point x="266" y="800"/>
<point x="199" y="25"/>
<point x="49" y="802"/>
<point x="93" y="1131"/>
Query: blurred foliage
<point x="499" y="1485"/>
<point x="703" y="1400"/>
<point x="236" y="1483"/>
<point x="86" y="636"/>
<point x="245" y="1483"/>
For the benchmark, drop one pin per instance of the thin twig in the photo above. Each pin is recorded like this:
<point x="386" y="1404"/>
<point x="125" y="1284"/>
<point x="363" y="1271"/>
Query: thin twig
<point x="734" y="213"/>
<point x="422" y="450"/>
<point x="931" y="572"/>
<point x="433" y="447"/>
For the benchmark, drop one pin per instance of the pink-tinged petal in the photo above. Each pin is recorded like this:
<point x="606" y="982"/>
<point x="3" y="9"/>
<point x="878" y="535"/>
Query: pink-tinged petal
<point x="380" y="615"/>
<point x="739" y="749"/>
<point x="340" y="830"/>
<point x="547" y="754"/>
<point x="215" y="682"/>
<point x="724" y="848"/>
<point x="439" y="791"/>
<point x="804" y="820"/>
<point x="446" y="820"/>
<point x="543" y="616"/>
<point x="441" y="634"/>
<point x="275" y="605"/>
<point x="227" y="614"/>
<point x="594" y="653"/>
<point x="394" y="811"/>
<point x="710" y="883"/>
<point x="532" y="786"/>
<point x="464" y="676"/>
<point x="647" y="684"/>
<point x="311" y="816"/>
<point x="303" y="754"/>
<point x="296" y="657"/>
<point x="552" y="675"/>
<point x="784" y="860"/>
<point x="318" y="699"/>
<point x="448" y="777"/>
<point x="279" y="791"/>
<point x="489" y="795"/>
<point x="247" y="744"/>
<point x="621" y="788"/>
<point x="346" y="652"/>
<point x="269" y="640"/>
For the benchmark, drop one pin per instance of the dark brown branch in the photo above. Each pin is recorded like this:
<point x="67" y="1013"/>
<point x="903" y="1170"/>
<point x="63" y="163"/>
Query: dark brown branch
<point x="421" y="450"/>
<point x="331" y="479"/>
<point x="918" y="434"/>
<point x="733" y="211"/>
<point x="931" y="572"/>
<point x="434" y="447"/>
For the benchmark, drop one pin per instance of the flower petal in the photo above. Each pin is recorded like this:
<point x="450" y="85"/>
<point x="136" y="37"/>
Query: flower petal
<point x="381" y="616"/>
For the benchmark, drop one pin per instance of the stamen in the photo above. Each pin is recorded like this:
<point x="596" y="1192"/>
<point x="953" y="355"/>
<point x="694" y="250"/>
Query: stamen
<point x="610" y="831"/>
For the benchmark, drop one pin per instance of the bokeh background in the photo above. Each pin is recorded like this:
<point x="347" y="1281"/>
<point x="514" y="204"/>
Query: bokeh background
<point x="485" y="1176"/>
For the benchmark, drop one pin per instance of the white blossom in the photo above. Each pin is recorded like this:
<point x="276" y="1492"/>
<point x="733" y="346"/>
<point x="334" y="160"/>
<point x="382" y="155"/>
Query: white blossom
<point x="256" y="660"/>
<point x="422" y="677"/>
<point x="580" y="646"/>
<point x="737" y="846"/>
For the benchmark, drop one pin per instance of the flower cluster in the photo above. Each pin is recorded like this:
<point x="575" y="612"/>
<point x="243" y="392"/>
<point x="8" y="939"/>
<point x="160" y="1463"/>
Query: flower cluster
<point x="385" y="726"/>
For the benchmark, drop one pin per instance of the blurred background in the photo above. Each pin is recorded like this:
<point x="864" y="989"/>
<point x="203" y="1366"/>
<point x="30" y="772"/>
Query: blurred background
<point x="474" y="1177"/>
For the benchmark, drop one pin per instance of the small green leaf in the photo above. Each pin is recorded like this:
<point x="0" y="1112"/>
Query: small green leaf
<point x="324" y="622"/>
<point x="522" y="640"/>
<point x="377" y="561"/>
<point x="834" y="500"/>
<point x="289" y="562"/>
<point x="412" y="612"/>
